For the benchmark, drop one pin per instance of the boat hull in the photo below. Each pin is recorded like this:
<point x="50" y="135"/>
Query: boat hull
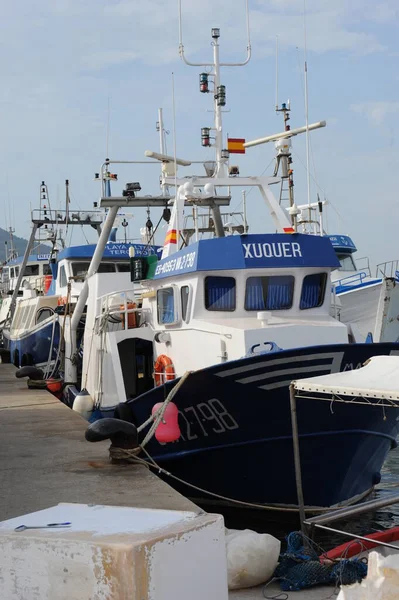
<point x="236" y="437"/>
<point x="34" y="345"/>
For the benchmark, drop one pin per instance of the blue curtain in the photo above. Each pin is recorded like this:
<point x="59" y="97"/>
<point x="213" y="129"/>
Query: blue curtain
<point x="254" y="297"/>
<point x="220" y="293"/>
<point x="269" y="293"/>
<point x="312" y="291"/>
<point x="279" y="292"/>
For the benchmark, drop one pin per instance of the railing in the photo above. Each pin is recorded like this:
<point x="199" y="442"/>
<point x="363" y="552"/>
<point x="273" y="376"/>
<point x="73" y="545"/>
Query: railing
<point x="36" y="283"/>
<point x="120" y="309"/>
<point x="352" y="280"/>
<point x="363" y="264"/>
<point x="388" y="269"/>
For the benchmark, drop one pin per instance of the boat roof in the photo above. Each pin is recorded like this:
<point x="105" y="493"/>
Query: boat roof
<point x="276" y="250"/>
<point x="116" y="250"/>
<point x="32" y="258"/>
<point x="342" y="243"/>
<point x="377" y="380"/>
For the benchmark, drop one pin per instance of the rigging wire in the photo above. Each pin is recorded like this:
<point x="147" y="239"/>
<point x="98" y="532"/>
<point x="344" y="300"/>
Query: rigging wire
<point x="269" y="165"/>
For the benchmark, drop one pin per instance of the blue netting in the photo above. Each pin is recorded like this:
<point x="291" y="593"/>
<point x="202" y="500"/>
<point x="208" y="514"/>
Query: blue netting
<point x="299" y="567"/>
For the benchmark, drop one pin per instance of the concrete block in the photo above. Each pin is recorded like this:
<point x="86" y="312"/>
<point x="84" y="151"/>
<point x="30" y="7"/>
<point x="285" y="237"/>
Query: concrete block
<point x="113" y="553"/>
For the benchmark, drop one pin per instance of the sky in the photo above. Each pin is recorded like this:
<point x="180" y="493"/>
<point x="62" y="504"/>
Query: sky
<point x="71" y="66"/>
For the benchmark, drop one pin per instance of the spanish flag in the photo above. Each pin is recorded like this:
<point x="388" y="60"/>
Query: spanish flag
<point x="236" y="145"/>
<point x="171" y="237"/>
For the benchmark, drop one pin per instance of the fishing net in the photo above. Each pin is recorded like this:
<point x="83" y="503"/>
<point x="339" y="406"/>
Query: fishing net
<point x="299" y="567"/>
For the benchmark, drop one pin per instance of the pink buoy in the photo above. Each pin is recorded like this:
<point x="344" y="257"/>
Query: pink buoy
<point x="168" y="430"/>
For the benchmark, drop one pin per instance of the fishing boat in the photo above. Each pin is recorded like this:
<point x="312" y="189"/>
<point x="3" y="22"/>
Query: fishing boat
<point x="231" y="321"/>
<point x="367" y="303"/>
<point x="34" y="327"/>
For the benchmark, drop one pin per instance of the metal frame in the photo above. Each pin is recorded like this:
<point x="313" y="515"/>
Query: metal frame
<point x="338" y="513"/>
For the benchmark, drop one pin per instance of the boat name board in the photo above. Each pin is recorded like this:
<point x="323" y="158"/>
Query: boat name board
<point x="272" y="250"/>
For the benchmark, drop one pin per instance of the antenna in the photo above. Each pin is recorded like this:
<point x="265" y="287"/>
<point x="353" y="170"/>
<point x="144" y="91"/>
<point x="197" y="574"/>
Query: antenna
<point x="191" y="64"/>
<point x="277" y="104"/>
<point x="107" y="144"/>
<point x="284" y="134"/>
<point x="306" y="106"/>
<point x="175" y="158"/>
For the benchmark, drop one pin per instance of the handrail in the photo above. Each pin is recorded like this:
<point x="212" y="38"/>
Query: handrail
<point x="352" y="279"/>
<point x="388" y="268"/>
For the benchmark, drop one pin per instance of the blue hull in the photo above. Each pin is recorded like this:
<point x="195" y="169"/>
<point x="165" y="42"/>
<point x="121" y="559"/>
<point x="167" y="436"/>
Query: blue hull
<point x="236" y="430"/>
<point x="35" y="345"/>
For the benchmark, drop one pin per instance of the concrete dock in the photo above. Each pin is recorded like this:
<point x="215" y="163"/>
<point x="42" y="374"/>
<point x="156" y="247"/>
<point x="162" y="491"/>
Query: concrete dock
<point x="45" y="459"/>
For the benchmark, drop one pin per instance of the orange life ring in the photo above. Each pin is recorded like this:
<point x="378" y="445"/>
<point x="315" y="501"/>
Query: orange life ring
<point x="163" y="370"/>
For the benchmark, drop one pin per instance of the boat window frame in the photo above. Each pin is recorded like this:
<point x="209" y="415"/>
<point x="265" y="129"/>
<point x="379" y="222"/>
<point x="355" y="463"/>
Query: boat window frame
<point x="30" y="267"/>
<point x="40" y="311"/>
<point x="324" y="274"/>
<point x="176" y="319"/>
<point x="63" y="276"/>
<point x="220" y="310"/>
<point x="185" y="309"/>
<point x="344" y="256"/>
<point x="252" y="310"/>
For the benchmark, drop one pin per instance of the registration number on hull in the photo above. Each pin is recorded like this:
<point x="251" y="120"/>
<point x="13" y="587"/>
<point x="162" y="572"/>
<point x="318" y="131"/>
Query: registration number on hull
<point x="205" y="419"/>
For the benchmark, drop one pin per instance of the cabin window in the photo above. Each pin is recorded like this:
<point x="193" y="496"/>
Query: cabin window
<point x="43" y="314"/>
<point x="184" y="294"/>
<point x="220" y="293"/>
<point x="347" y="262"/>
<point x="63" y="279"/>
<point x="47" y="269"/>
<point x="106" y="268"/>
<point x="269" y="293"/>
<point x="31" y="270"/>
<point x="80" y="269"/>
<point x="313" y="289"/>
<point x="166" y="306"/>
<point x="16" y="271"/>
<point x="12" y="273"/>
<point x="124" y="267"/>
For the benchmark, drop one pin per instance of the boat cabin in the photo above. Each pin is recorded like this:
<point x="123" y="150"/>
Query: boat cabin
<point x="344" y="249"/>
<point x="34" y="276"/>
<point x="219" y="300"/>
<point x="73" y="263"/>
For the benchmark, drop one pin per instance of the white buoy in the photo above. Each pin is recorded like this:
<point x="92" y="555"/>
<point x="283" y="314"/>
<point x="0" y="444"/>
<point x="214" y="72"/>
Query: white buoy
<point x="83" y="404"/>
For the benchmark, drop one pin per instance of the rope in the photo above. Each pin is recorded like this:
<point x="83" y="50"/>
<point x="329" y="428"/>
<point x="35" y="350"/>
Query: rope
<point x="130" y="455"/>
<point x="157" y="417"/>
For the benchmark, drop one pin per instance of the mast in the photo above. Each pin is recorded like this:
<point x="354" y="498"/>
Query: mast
<point x="219" y="101"/>
<point x="307" y="117"/>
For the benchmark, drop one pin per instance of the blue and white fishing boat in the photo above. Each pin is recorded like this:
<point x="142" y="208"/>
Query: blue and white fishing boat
<point x="368" y="304"/>
<point x="35" y="329"/>
<point x="239" y="317"/>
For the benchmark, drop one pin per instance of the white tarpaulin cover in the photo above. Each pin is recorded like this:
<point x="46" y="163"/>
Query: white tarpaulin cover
<point x="378" y="379"/>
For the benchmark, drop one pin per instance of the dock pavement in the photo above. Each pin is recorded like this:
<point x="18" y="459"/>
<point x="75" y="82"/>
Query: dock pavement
<point x="45" y="459"/>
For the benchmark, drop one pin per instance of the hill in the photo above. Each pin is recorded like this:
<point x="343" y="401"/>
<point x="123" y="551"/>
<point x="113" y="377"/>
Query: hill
<point x="19" y="245"/>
